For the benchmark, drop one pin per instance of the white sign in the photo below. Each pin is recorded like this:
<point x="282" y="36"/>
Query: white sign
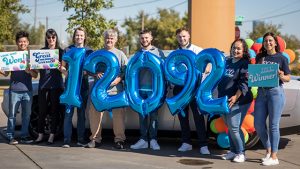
<point x="13" y="61"/>
<point x="44" y="59"/>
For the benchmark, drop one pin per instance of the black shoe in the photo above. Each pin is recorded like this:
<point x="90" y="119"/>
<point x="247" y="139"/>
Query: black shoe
<point x="26" y="140"/>
<point x="119" y="145"/>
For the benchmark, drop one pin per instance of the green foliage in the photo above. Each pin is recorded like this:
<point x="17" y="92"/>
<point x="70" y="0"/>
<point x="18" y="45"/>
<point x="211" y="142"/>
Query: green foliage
<point x="163" y="28"/>
<point x="263" y="28"/>
<point x="9" y="10"/>
<point x="87" y="15"/>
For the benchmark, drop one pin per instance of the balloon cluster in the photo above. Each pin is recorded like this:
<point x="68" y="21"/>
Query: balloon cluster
<point x="255" y="46"/>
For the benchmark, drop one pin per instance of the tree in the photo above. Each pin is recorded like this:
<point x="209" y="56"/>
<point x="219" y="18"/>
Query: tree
<point x="263" y="28"/>
<point x="9" y="10"/>
<point x="163" y="28"/>
<point x="87" y="15"/>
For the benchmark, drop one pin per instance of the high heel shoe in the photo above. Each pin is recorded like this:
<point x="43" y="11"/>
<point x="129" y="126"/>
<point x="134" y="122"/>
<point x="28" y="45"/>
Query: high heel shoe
<point x="51" y="139"/>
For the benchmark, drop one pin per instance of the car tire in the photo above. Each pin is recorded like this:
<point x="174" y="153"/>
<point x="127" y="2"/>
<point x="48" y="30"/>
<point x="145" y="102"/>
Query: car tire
<point x="33" y="125"/>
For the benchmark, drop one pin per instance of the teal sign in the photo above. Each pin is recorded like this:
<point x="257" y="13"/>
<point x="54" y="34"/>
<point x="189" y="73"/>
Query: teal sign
<point x="263" y="75"/>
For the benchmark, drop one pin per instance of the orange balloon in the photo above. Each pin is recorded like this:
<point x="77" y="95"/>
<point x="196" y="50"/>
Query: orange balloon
<point x="251" y="108"/>
<point x="220" y="125"/>
<point x="281" y="43"/>
<point x="248" y="123"/>
<point x="291" y="54"/>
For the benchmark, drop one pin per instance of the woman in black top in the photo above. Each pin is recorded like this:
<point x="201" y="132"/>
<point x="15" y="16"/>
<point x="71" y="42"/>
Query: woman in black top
<point x="50" y="89"/>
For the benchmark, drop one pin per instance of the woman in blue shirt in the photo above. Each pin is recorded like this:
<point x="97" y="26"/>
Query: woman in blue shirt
<point x="234" y="85"/>
<point x="270" y="101"/>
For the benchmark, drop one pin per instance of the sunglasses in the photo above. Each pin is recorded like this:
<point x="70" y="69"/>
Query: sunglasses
<point x="51" y="37"/>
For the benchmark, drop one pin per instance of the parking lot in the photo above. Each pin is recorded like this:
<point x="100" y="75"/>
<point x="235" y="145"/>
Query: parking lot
<point x="44" y="156"/>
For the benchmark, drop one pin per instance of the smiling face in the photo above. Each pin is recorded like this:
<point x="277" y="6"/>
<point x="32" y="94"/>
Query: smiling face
<point x="237" y="50"/>
<point x="183" y="38"/>
<point x="110" y="41"/>
<point x="145" y="40"/>
<point x="79" y="38"/>
<point x="22" y="43"/>
<point x="51" y="39"/>
<point x="270" y="44"/>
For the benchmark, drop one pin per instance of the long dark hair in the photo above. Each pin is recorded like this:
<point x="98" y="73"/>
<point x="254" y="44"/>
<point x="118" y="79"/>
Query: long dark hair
<point x="246" y="54"/>
<point x="51" y="32"/>
<point x="263" y="51"/>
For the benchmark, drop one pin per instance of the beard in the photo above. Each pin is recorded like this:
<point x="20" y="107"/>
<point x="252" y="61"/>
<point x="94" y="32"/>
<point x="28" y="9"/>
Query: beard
<point x="145" y="46"/>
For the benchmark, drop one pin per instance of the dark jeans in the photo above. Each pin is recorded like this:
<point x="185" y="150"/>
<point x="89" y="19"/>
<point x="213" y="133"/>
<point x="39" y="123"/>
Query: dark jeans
<point x="198" y="119"/>
<point x="80" y="120"/>
<point x="49" y="101"/>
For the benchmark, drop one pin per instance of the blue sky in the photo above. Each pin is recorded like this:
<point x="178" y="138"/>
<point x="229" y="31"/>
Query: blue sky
<point x="286" y="13"/>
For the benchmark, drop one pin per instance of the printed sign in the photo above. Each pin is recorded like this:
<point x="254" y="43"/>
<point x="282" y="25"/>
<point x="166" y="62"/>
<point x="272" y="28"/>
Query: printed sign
<point x="13" y="61"/>
<point x="44" y="59"/>
<point x="263" y="75"/>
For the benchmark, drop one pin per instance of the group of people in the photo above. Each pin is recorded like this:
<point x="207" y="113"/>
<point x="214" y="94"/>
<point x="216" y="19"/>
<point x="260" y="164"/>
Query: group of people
<point x="269" y="103"/>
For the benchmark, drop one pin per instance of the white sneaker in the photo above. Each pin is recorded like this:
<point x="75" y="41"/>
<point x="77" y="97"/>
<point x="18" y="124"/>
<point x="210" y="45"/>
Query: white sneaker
<point x="240" y="158"/>
<point x="270" y="161"/>
<point x="204" y="150"/>
<point x="266" y="157"/>
<point x="229" y="156"/>
<point x="185" y="147"/>
<point x="139" y="145"/>
<point x="154" y="145"/>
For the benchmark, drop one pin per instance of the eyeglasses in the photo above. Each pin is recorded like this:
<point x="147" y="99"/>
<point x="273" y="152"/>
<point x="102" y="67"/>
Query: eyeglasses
<point x="51" y="37"/>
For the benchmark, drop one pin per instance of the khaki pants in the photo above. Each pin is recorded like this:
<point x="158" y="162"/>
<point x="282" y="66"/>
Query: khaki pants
<point x="95" y="119"/>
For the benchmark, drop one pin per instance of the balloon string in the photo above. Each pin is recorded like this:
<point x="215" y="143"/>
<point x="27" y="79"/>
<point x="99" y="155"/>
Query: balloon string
<point x="110" y="113"/>
<point x="182" y="113"/>
<point x="68" y="108"/>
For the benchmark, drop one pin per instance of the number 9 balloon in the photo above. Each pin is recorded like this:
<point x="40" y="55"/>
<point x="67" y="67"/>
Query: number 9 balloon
<point x="179" y="70"/>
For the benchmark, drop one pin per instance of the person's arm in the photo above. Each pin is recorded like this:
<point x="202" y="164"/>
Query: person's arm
<point x="234" y="98"/>
<point x="4" y="73"/>
<point x="32" y="72"/>
<point x="283" y="77"/>
<point x="63" y="69"/>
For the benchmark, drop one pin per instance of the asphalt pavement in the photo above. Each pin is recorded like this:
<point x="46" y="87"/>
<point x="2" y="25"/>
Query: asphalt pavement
<point x="27" y="156"/>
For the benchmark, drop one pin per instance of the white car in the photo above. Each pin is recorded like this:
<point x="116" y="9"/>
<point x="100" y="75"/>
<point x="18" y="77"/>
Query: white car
<point x="289" y="122"/>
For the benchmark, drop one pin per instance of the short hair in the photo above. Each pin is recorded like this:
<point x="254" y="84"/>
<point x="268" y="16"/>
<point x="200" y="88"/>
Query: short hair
<point x="110" y="32"/>
<point x="182" y="29"/>
<point x="145" y="31"/>
<point x="22" y="34"/>
<point x="85" y="34"/>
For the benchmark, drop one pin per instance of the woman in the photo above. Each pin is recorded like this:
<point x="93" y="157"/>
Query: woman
<point x="79" y="40"/>
<point x="50" y="88"/>
<point x="234" y="85"/>
<point x="270" y="101"/>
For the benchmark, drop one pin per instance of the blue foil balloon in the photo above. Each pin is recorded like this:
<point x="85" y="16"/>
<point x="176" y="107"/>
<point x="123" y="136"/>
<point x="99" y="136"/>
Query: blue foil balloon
<point x="99" y="95"/>
<point x="179" y="70"/>
<point x="71" y="95"/>
<point x="206" y="103"/>
<point x="142" y="60"/>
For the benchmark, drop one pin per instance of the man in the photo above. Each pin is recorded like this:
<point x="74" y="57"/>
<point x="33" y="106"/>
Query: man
<point x="183" y="38"/>
<point x="145" y="79"/>
<point x="110" y="39"/>
<point x="20" y="93"/>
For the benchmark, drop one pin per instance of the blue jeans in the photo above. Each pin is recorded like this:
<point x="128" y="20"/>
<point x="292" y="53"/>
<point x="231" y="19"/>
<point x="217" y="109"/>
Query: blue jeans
<point x="15" y="99"/>
<point x="144" y="126"/>
<point x="234" y="120"/>
<point x="80" y="121"/>
<point x="269" y="102"/>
